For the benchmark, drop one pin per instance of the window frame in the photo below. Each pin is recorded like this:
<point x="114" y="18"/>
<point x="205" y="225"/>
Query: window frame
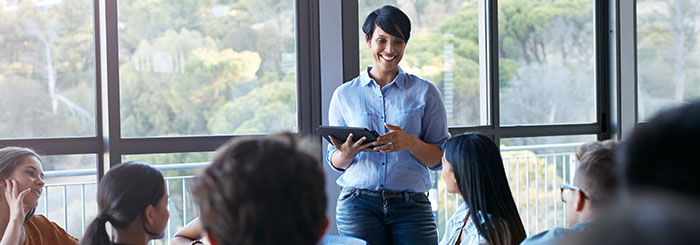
<point x="108" y="143"/>
<point x="601" y="127"/>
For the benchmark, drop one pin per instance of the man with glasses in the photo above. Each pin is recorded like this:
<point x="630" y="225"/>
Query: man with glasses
<point x="593" y="186"/>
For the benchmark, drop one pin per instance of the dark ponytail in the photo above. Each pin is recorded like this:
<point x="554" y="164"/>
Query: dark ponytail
<point x="96" y="232"/>
<point x="122" y="196"/>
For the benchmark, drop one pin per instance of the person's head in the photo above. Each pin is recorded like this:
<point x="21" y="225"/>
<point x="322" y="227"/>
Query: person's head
<point x="596" y="179"/>
<point x="262" y="190"/>
<point x="23" y="166"/>
<point x="660" y="154"/>
<point x="472" y="166"/>
<point x="648" y="217"/>
<point x="387" y="30"/>
<point x="131" y="196"/>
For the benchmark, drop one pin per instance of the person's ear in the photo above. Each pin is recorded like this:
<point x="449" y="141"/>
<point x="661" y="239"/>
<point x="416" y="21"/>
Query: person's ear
<point x="368" y="41"/>
<point x="149" y="215"/>
<point x="580" y="201"/>
<point x="324" y="227"/>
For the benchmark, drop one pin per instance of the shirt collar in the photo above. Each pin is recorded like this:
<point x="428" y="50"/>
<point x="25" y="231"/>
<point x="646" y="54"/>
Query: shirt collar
<point x="399" y="80"/>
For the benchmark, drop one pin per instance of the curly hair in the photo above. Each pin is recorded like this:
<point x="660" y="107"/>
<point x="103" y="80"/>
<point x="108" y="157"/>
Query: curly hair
<point x="262" y="190"/>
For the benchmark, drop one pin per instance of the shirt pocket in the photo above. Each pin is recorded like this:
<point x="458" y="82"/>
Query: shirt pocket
<point x="409" y="119"/>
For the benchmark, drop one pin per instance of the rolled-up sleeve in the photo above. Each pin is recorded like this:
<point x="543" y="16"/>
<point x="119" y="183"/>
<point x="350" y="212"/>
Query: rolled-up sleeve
<point x="335" y="118"/>
<point x="434" y="121"/>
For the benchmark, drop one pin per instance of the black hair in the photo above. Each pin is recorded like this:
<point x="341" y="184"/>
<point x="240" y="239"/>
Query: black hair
<point x="391" y="19"/>
<point x="481" y="178"/>
<point x="122" y="196"/>
<point x="661" y="152"/>
<point x="262" y="190"/>
<point x="10" y="158"/>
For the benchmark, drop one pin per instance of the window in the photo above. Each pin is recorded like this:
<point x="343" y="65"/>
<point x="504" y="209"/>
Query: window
<point x="668" y="68"/>
<point x="47" y="84"/>
<point x="546" y="62"/>
<point x="207" y="68"/>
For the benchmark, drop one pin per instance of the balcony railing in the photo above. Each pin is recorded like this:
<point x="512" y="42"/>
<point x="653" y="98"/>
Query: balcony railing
<point x="534" y="180"/>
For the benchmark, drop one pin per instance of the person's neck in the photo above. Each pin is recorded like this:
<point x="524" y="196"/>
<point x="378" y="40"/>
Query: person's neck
<point x="383" y="77"/>
<point x="132" y="235"/>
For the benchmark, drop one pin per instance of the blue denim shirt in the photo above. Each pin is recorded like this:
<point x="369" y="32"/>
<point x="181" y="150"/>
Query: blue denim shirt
<point x="557" y="235"/>
<point x="412" y="103"/>
<point x="456" y="224"/>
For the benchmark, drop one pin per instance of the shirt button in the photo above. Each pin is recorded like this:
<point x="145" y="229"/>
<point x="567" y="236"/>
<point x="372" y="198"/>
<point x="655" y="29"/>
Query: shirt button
<point x="382" y="163"/>
<point x="381" y="185"/>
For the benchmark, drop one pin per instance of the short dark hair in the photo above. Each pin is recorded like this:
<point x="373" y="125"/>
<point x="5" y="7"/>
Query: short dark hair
<point x="596" y="170"/>
<point x="262" y="190"/>
<point x="391" y="19"/>
<point x="10" y="158"/>
<point x="122" y="196"/>
<point x="661" y="153"/>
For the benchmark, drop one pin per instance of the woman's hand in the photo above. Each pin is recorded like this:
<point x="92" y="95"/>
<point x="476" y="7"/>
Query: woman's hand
<point x="396" y="140"/>
<point x="347" y="151"/>
<point x="15" y="200"/>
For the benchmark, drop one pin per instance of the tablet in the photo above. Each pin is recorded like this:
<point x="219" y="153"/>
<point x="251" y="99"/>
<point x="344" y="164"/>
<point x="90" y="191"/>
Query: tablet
<point x="341" y="133"/>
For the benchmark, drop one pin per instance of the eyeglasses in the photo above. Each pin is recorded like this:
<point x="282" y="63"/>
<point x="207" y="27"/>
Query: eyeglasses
<point x="570" y="187"/>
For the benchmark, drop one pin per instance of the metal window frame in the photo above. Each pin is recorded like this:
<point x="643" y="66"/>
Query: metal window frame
<point x="601" y="127"/>
<point x="108" y="143"/>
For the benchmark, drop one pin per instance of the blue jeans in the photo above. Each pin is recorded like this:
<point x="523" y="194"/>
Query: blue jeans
<point x="386" y="217"/>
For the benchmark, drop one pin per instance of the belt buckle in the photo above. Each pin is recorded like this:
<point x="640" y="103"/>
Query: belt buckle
<point x="385" y="193"/>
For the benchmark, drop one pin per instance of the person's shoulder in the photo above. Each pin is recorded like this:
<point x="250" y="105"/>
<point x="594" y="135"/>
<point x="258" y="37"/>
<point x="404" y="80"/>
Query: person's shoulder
<point x="39" y="225"/>
<point x="552" y="236"/>
<point x="349" y="85"/>
<point x="421" y="83"/>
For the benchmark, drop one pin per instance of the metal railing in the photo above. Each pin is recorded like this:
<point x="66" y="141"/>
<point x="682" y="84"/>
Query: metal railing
<point x="534" y="180"/>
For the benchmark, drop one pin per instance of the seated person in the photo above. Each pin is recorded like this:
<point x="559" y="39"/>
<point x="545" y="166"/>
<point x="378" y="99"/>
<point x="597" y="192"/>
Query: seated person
<point x="661" y="153"/>
<point x="22" y="181"/>
<point x="594" y="185"/>
<point x="262" y="191"/>
<point x="133" y="198"/>
<point x="472" y="167"/>
<point x="647" y="218"/>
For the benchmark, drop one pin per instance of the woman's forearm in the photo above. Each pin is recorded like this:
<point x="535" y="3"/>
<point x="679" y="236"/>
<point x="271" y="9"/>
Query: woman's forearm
<point x="427" y="154"/>
<point x="13" y="233"/>
<point x="340" y="161"/>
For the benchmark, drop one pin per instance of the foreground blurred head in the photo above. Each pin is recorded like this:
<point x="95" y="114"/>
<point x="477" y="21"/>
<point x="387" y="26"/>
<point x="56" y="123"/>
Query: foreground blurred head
<point x="262" y="190"/>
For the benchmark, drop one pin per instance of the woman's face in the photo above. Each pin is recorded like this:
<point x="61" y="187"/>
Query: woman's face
<point x="161" y="215"/>
<point x="387" y="50"/>
<point x="29" y="174"/>
<point x="449" y="177"/>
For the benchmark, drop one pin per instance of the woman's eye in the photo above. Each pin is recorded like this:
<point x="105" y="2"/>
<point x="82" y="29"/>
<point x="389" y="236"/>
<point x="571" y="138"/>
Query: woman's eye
<point x="30" y="173"/>
<point x="381" y="40"/>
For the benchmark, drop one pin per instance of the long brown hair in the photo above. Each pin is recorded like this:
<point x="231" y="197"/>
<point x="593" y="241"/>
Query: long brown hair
<point x="10" y="158"/>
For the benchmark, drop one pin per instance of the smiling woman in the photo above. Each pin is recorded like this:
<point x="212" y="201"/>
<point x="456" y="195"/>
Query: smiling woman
<point x="383" y="196"/>
<point x="22" y="181"/>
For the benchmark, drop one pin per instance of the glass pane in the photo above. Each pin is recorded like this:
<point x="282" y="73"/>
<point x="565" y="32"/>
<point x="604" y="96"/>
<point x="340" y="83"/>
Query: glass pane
<point x="178" y="169"/>
<point x="535" y="168"/>
<point x="444" y="49"/>
<point x="546" y="61"/>
<point x="191" y="67"/>
<point x="47" y="80"/>
<point x="668" y="70"/>
<point x="69" y="197"/>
